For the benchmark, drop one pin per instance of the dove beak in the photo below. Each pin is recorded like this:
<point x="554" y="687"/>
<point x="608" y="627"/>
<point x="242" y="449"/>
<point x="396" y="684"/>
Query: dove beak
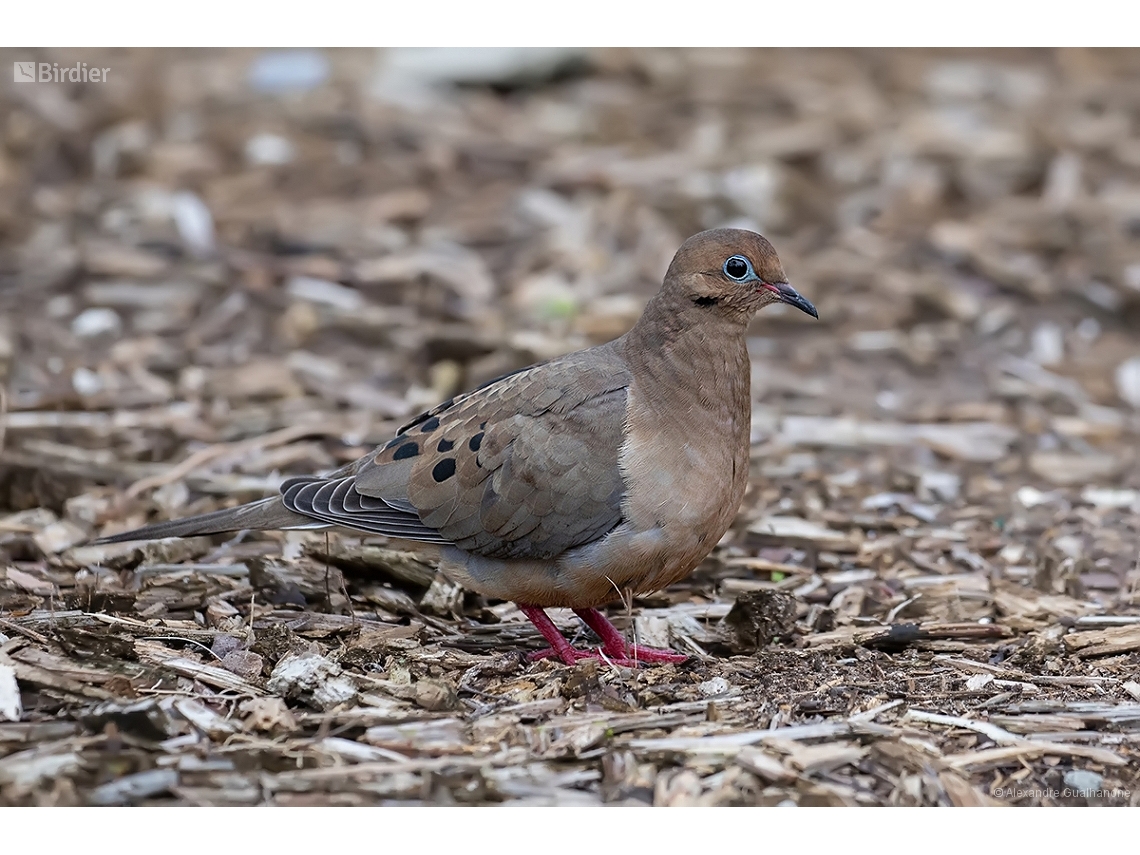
<point x="785" y="293"/>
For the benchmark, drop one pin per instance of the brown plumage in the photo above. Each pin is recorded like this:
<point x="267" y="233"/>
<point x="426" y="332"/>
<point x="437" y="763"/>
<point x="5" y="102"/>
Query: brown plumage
<point x="566" y="483"/>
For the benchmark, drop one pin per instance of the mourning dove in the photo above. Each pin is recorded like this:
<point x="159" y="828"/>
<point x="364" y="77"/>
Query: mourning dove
<point x="612" y="469"/>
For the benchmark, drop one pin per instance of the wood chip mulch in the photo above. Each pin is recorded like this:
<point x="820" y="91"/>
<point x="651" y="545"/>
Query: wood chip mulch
<point x="211" y="279"/>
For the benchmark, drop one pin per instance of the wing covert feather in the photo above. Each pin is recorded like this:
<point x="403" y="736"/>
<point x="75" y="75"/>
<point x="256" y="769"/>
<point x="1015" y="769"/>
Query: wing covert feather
<point x="525" y="467"/>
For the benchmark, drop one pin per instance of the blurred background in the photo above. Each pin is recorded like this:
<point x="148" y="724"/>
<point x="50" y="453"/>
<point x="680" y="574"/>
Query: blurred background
<point x="222" y="267"/>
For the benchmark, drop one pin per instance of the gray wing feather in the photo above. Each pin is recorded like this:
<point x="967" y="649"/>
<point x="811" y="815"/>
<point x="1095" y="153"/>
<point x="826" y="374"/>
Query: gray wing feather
<point x="524" y="467"/>
<point x="339" y="503"/>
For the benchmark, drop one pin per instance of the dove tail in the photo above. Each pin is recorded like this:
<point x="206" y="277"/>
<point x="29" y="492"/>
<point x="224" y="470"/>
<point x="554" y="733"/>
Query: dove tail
<point x="265" y="515"/>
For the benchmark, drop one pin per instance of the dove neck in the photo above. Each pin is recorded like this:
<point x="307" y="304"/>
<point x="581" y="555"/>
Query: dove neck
<point x="708" y="355"/>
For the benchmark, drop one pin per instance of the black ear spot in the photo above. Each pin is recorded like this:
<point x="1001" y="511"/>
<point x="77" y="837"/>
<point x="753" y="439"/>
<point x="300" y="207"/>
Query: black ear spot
<point x="705" y="301"/>
<point x="475" y="442"/>
<point x="443" y="470"/>
<point x="445" y="445"/>
<point x="429" y="425"/>
<point x="408" y="449"/>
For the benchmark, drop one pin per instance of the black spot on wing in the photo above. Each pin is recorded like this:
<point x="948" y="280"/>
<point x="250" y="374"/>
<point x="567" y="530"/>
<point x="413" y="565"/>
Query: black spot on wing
<point x="408" y="449"/>
<point x="445" y="445"/>
<point x="476" y="441"/>
<point x="430" y="425"/>
<point x="443" y="470"/>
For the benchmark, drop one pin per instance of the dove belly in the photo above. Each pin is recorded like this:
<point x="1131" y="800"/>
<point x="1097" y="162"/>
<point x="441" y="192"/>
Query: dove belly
<point x="684" y="481"/>
<point x="681" y="498"/>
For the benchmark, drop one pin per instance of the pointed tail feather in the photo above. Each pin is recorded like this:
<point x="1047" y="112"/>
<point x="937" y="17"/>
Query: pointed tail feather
<point x="265" y="515"/>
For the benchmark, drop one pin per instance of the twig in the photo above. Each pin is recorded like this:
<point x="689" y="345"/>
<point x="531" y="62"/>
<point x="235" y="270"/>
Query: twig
<point x="176" y="638"/>
<point x="249" y="626"/>
<point x="1028" y="748"/>
<point x="997" y="734"/>
<point x="205" y="455"/>
<point x="874" y="712"/>
<point x="24" y="631"/>
<point x="627" y="601"/>
<point x="328" y="593"/>
<point x="894" y="613"/>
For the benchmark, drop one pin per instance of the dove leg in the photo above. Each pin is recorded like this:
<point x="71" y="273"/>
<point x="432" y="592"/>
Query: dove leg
<point x="614" y="644"/>
<point x="614" y="647"/>
<point x="560" y="648"/>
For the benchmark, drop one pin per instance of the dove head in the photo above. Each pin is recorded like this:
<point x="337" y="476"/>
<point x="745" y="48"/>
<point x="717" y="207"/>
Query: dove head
<point x="730" y="273"/>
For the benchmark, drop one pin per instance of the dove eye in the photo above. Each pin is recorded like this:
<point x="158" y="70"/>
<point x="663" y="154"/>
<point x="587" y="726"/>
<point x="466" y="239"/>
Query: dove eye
<point x="737" y="268"/>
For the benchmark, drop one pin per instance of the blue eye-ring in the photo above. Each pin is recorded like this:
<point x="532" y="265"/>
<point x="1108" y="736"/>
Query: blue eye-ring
<point x="738" y="267"/>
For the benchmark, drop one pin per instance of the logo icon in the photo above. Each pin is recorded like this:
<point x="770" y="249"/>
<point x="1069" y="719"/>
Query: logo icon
<point x="24" y="72"/>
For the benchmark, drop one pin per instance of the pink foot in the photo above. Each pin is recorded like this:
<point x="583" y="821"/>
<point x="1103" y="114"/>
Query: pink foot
<point x="613" y="642"/>
<point x="614" y="647"/>
<point x="573" y="654"/>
